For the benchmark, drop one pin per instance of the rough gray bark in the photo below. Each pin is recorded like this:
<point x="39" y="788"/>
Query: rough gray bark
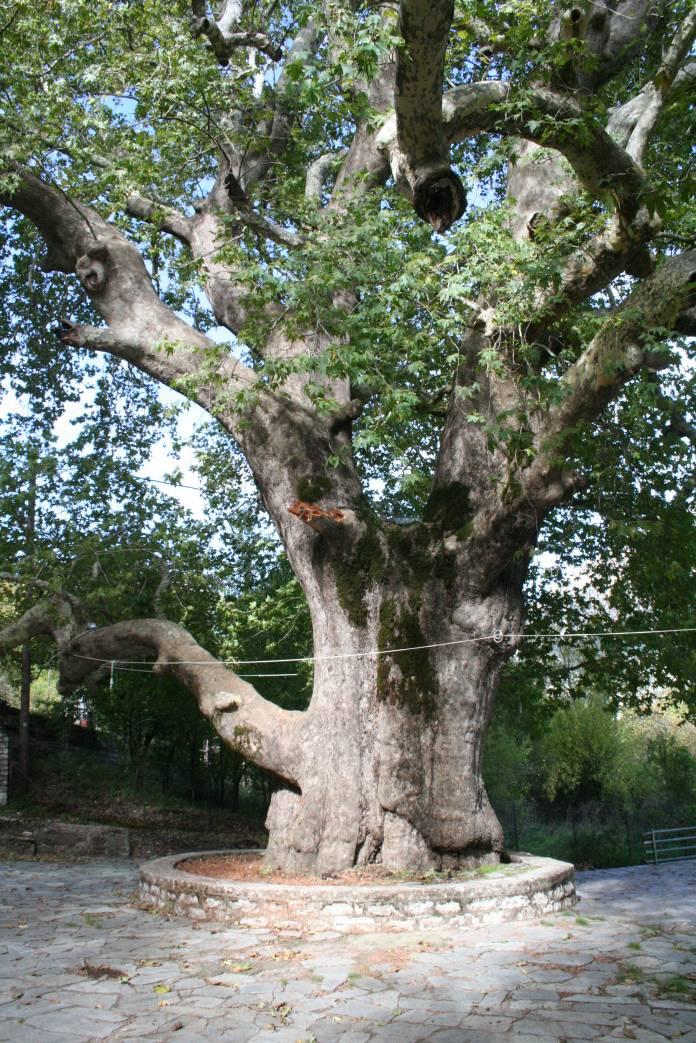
<point x="385" y="765"/>
<point x="225" y="36"/>
<point x="420" y="162"/>
<point x="392" y="748"/>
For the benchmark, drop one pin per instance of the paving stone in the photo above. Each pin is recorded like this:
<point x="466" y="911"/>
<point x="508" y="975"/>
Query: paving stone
<point x="15" y="1032"/>
<point x="230" y="1034"/>
<point x="358" y="1008"/>
<point x="479" y="984"/>
<point x="548" y="976"/>
<point x="586" y="1015"/>
<point x="447" y="1036"/>
<point x="73" y="1022"/>
<point x="449" y="1018"/>
<point x="420" y="1002"/>
<point x="551" y="1029"/>
<point x="486" y="1022"/>
<point x="563" y="956"/>
<point x="533" y="996"/>
<point x="460" y="1036"/>
<point x="403" y="1032"/>
<point x="324" y="1030"/>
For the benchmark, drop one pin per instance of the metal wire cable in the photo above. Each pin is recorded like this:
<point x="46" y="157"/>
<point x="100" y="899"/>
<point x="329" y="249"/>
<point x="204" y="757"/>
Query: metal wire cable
<point x="497" y="636"/>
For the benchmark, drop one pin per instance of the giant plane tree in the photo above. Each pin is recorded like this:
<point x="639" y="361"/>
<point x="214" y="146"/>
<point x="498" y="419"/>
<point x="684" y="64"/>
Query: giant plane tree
<point x="446" y="240"/>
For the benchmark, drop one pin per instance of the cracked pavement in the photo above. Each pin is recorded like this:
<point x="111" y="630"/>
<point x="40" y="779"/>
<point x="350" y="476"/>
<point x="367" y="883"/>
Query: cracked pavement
<point x="79" y="962"/>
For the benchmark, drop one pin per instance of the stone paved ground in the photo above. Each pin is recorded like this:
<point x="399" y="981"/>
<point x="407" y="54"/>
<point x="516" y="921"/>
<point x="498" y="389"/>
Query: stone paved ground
<point x="78" y="962"/>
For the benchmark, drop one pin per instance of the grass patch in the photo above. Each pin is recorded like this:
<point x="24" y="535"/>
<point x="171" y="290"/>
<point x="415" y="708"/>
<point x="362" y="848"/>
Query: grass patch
<point x="652" y="931"/>
<point x="630" y="974"/>
<point x="677" y="985"/>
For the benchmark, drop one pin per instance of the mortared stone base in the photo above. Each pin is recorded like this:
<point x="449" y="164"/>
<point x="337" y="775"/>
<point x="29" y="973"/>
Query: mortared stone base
<point x="527" y="888"/>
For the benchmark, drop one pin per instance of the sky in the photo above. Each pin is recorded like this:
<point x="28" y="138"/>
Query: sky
<point x="162" y="461"/>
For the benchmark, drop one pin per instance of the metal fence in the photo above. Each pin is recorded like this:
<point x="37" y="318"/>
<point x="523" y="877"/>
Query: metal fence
<point x="670" y="845"/>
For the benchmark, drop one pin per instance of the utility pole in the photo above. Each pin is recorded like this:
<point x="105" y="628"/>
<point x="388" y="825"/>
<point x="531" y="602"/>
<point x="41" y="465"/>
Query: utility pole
<point x="25" y="690"/>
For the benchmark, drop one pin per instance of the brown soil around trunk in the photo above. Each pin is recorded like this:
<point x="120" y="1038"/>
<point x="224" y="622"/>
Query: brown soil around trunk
<point x="249" y="868"/>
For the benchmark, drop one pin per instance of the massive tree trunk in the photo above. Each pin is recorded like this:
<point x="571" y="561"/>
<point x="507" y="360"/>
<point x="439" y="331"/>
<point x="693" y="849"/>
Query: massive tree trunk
<point x="391" y="747"/>
<point x="412" y="624"/>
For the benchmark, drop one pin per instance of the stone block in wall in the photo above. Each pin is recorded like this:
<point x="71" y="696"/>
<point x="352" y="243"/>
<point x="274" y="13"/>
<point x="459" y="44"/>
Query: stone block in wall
<point x="107" y="841"/>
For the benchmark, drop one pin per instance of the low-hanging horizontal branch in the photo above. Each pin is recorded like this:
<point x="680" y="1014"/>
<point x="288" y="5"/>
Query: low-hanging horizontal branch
<point x="250" y="724"/>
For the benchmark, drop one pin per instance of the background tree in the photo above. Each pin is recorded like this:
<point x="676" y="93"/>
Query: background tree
<point x="292" y="162"/>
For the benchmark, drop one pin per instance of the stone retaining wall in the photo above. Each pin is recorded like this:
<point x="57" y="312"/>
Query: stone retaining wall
<point x="52" y="836"/>
<point x="530" y="887"/>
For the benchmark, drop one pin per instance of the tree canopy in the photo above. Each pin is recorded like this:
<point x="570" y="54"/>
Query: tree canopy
<point x="428" y="264"/>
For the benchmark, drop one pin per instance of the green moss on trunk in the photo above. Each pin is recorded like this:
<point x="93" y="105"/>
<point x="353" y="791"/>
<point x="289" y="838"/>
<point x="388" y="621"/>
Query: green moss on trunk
<point x="357" y="572"/>
<point x="313" y="487"/>
<point x="406" y="679"/>
<point x="448" y="507"/>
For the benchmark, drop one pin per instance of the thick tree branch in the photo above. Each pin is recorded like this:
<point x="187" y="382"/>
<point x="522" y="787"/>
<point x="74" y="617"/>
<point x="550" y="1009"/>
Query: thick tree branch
<point x="223" y="35"/>
<point x="141" y="352"/>
<point x="53" y="617"/>
<point x="141" y="328"/>
<point x="318" y="173"/>
<point x="258" y="729"/>
<point x="266" y="227"/>
<point x="601" y="166"/>
<point x="366" y="164"/>
<point x="617" y="248"/>
<point x="654" y="93"/>
<point x="33" y="581"/>
<point x="507" y="518"/>
<point x="420" y="159"/>
<point x="254" y="164"/>
<point x="249" y="723"/>
<point x="162" y="217"/>
<point x="607" y="35"/>
<point x="547" y="118"/>
<point x="239" y="170"/>
<point x="616" y="354"/>
<point x="467" y="454"/>
<point x="624" y="118"/>
<point x="554" y="121"/>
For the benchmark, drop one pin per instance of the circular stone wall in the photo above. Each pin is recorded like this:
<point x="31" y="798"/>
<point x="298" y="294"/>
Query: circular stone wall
<point x="526" y="888"/>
